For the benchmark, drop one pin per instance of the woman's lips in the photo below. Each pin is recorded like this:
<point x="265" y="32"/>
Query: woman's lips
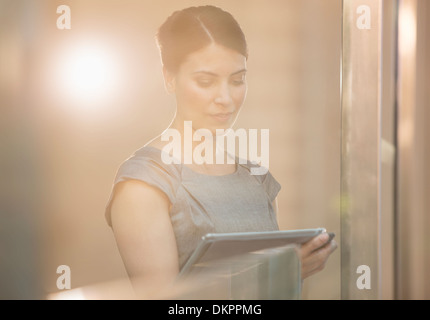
<point x="222" y="117"/>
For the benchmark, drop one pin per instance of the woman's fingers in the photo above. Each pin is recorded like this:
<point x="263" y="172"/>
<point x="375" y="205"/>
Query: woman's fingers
<point x="320" y="256"/>
<point x="314" y="255"/>
<point x="313" y="244"/>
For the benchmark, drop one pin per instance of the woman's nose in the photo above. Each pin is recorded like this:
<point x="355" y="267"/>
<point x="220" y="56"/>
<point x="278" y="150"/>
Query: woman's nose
<point x="223" y="95"/>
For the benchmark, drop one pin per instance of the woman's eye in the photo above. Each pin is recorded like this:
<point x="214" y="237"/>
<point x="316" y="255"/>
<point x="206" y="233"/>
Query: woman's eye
<point x="204" y="82"/>
<point x="238" y="81"/>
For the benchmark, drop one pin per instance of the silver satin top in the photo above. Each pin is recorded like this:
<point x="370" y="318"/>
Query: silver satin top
<point x="201" y="204"/>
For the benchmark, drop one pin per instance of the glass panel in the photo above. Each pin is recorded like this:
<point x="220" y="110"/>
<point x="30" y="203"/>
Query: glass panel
<point x="388" y="148"/>
<point x="413" y="250"/>
<point x="360" y="168"/>
<point x="267" y="274"/>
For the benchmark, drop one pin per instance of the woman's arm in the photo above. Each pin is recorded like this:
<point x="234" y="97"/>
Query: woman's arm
<point x="145" y="237"/>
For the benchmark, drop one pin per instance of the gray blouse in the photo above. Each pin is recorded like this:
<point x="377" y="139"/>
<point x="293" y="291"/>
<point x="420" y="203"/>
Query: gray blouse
<point x="201" y="204"/>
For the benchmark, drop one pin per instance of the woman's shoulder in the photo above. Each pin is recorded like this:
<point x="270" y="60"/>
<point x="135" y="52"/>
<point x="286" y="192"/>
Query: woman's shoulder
<point x="146" y="165"/>
<point x="150" y="157"/>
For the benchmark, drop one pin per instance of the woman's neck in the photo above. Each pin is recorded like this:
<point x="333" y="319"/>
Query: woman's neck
<point x="198" y="146"/>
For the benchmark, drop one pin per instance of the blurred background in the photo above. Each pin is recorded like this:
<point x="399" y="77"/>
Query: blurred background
<point x="76" y="103"/>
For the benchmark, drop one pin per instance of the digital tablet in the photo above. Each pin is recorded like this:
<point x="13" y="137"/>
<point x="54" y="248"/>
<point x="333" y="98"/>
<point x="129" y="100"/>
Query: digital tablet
<point x="215" y="246"/>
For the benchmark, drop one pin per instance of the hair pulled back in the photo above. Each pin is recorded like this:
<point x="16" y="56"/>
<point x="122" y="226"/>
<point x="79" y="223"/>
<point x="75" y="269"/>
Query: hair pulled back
<point x="192" y="29"/>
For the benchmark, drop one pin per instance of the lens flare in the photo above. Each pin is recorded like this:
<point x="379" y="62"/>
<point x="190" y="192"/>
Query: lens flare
<point x="88" y="75"/>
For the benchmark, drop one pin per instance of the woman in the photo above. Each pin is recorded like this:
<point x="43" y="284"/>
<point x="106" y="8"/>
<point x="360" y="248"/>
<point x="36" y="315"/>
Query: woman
<point x="159" y="211"/>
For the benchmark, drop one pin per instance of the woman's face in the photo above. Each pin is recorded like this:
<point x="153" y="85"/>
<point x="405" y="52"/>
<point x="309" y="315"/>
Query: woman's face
<point x="210" y="87"/>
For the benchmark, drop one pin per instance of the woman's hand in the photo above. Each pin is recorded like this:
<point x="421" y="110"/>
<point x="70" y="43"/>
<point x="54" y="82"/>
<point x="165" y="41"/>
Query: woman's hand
<point x="314" y="254"/>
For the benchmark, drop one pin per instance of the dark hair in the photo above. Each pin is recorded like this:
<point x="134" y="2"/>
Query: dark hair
<point x="194" y="28"/>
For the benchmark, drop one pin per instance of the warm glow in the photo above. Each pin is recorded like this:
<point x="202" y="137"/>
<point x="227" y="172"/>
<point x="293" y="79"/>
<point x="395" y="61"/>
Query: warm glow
<point x="407" y="29"/>
<point x="88" y="75"/>
<point x="74" y="294"/>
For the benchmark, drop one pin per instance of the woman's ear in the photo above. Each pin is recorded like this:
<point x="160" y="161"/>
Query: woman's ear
<point x="169" y="81"/>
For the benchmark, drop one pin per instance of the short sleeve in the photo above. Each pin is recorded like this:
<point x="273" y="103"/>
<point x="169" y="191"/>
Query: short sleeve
<point x="271" y="186"/>
<point x="146" y="165"/>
